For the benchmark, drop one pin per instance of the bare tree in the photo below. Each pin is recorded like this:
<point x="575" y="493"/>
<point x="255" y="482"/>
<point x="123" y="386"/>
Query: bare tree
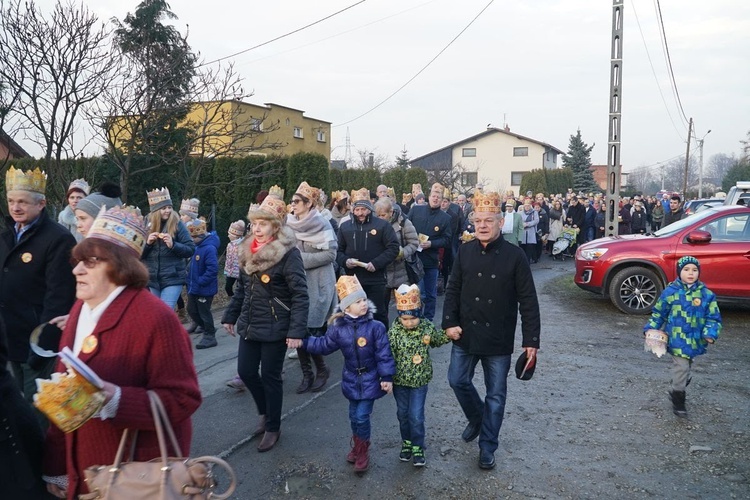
<point x="640" y="179"/>
<point x="370" y="159"/>
<point x="55" y="65"/>
<point x="745" y="155"/>
<point x="718" y="166"/>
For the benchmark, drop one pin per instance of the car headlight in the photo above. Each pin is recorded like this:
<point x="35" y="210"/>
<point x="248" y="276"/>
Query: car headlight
<point x="592" y="253"/>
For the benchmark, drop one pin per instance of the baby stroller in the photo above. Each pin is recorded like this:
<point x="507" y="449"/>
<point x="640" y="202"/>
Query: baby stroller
<point x="565" y="244"/>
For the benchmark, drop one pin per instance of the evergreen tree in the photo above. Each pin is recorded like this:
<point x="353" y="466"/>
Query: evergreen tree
<point x="403" y="160"/>
<point x="578" y="159"/>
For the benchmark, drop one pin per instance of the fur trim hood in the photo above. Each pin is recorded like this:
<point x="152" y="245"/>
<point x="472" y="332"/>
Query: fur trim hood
<point x="268" y="256"/>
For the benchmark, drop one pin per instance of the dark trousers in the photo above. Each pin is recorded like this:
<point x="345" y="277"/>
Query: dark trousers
<point x="229" y="286"/>
<point x="259" y="365"/>
<point x="199" y="310"/>
<point x="26" y="377"/>
<point x="376" y="293"/>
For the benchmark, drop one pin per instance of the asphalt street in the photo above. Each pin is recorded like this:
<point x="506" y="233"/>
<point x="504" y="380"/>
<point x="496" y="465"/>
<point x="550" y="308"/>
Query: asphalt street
<point x="593" y="422"/>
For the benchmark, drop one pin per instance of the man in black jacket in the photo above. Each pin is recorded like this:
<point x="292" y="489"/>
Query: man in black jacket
<point x="490" y="283"/>
<point x="37" y="284"/>
<point x="367" y="245"/>
<point x="431" y="221"/>
<point x="675" y="212"/>
<point x="576" y="217"/>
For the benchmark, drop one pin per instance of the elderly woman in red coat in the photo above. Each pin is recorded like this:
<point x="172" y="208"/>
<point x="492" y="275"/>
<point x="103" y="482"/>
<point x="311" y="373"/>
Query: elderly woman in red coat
<point x="134" y="342"/>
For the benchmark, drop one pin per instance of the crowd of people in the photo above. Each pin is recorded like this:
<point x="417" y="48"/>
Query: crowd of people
<point x="313" y="275"/>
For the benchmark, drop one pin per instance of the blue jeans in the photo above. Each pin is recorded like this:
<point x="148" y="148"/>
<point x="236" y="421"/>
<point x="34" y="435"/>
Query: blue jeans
<point x="168" y="294"/>
<point x="359" y="416"/>
<point x="410" y="412"/>
<point x="491" y="411"/>
<point x="428" y="285"/>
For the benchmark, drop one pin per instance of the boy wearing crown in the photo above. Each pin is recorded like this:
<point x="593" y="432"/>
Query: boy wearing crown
<point x="411" y="338"/>
<point x="202" y="280"/>
<point x="38" y="282"/>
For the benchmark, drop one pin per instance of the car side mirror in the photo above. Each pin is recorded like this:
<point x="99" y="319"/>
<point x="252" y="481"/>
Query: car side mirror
<point x="699" y="237"/>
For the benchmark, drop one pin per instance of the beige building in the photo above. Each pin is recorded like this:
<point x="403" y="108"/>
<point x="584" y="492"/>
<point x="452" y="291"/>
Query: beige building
<point x="495" y="159"/>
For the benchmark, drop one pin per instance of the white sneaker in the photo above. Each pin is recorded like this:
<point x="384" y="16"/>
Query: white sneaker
<point x="292" y="354"/>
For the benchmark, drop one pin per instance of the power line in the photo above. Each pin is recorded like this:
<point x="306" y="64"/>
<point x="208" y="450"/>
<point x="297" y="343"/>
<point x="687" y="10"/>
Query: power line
<point x="644" y="167"/>
<point x="282" y="36"/>
<point x="421" y="70"/>
<point x="653" y="71"/>
<point x="669" y="61"/>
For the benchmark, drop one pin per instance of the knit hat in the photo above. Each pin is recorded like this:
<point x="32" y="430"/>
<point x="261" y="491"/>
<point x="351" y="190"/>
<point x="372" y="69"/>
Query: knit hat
<point x="78" y="185"/>
<point x="408" y="301"/>
<point x="158" y="199"/>
<point x="190" y="207"/>
<point x="237" y="228"/>
<point x="361" y="198"/>
<point x="108" y="197"/>
<point x="684" y="261"/>
<point x="418" y="197"/>
<point x="349" y="291"/>
<point x="121" y="226"/>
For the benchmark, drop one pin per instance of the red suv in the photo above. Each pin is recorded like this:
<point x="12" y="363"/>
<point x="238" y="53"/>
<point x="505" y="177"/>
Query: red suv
<point x="632" y="270"/>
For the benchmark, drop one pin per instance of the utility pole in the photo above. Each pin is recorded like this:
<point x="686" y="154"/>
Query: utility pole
<point x="700" y="170"/>
<point x="687" y="161"/>
<point x="614" y="169"/>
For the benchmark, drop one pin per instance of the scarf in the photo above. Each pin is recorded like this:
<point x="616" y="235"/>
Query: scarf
<point x="255" y="246"/>
<point x="313" y="230"/>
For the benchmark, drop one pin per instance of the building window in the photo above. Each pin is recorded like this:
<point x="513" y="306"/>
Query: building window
<point x="520" y="151"/>
<point x="256" y="124"/>
<point x="469" y="178"/>
<point x="298" y="132"/>
<point x="288" y="122"/>
<point x="516" y="178"/>
<point x="321" y="136"/>
<point x="469" y="152"/>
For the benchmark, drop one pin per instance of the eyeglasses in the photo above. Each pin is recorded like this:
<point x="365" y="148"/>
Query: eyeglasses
<point x="88" y="262"/>
<point x="294" y="202"/>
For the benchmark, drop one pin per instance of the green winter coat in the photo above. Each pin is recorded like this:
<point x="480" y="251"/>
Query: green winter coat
<point x="411" y="350"/>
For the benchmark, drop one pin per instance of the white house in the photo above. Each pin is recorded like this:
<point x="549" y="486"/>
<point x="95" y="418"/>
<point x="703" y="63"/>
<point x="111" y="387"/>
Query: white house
<point x="495" y="159"/>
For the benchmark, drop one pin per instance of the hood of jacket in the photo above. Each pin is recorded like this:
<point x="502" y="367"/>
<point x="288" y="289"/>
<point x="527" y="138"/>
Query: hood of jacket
<point x="269" y="255"/>
<point x="210" y="239"/>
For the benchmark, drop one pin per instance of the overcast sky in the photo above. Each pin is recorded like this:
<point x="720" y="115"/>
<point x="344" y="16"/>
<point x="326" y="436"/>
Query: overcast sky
<point x="541" y="66"/>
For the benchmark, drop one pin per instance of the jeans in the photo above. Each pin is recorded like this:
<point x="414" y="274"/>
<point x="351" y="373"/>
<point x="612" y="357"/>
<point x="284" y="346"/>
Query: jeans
<point x="266" y="387"/>
<point x="410" y="412"/>
<point x="168" y="294"/>
<point x="428" y="285"/>
<point x="589" y="234"/>
<point x="359" y="416"/>
<point x="199" y="310"/>
<point x="491" y="411"/>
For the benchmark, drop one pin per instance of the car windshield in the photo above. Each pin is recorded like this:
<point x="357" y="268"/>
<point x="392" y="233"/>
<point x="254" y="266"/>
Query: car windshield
<point x="683" y="223"/>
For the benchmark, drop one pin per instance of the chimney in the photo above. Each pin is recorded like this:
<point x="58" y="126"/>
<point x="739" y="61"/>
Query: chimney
<point x="507" y="127"/>
<point x="371" y="160"/>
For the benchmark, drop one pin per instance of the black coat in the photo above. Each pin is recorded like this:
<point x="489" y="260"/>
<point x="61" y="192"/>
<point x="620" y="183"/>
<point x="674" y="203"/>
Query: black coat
<point x="370" y="241"/>
<point x="37" y="282"/>
<point x="271" y="301"/>
<point x="168" y="266"/>
<point x="487" y="288"/>
<point x="638" y="222"/>
<point x="437" y="225"/>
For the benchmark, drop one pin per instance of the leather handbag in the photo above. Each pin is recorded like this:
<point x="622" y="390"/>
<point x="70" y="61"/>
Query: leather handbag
<point x="164" y="478"/>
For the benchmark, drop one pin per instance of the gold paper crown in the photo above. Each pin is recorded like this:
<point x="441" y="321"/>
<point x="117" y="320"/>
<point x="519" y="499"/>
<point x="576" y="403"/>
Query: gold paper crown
<point x="346" y="285"/>
<point x="80" y="185"/>
<point x="237" y="228"/>
<point x="122" y="226"/>
<point x="309" y="192"/>
<point x="437" y="187"/>
<point x="271" y="208"/>
<point x="405" y="198"/>
<point x="487" y="202"/>
<point x="392" y="193"/>
<point x="407" y="298"/>
<point x="276" y="191"/>
<point x="18" y="180"/>
<point x="447" y="194"/>
<point x="158" y="198"/>
<point x="360" y="195"/>
<point x="190" y="206"/>
<point x="197" y="227"/>
<point x="68" y="399"/>
<point x="416" y="189"/>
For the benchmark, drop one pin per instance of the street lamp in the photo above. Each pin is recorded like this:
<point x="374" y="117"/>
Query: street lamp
<point x="700" y="169"/>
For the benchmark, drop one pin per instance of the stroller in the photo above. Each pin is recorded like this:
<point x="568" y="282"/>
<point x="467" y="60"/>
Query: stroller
<point x="565" y="244"/>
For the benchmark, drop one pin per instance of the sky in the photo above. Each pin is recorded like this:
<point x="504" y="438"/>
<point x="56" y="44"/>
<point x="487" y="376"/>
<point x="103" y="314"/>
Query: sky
<point x="541" y="67"/>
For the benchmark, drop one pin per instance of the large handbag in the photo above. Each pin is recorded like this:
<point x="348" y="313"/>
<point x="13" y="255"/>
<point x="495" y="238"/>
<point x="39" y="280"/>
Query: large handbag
<point x="414" y="266"/>
<point x="164" y="478"/>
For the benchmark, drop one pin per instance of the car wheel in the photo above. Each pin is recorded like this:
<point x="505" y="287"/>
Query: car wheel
<point x="634" y="290"/>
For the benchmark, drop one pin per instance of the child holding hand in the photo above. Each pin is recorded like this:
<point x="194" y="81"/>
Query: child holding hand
<point x="411" y="337"/>
<point x="689" y="315"/>
<point x="368" y="364"/>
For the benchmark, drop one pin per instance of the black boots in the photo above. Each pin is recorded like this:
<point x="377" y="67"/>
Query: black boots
<point x="305" y="364"/>
<point x="678" y="403"/>
<point x="321" y="372"/>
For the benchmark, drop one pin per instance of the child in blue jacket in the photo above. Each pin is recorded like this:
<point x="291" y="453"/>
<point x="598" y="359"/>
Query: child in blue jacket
<point x="688" y="313"/>
<point x="368" y="364"/>
<point x="202" y="281"/>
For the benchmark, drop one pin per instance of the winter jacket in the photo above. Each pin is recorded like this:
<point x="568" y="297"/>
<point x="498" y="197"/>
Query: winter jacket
<point x="67" y="218"/>
<point x="577" y="215"/>
<point x="623" y="225"/>
<point x="689" y="315"/>
<point x="516" y="235"/>
<point x="370" y="241"/>
<point x="638" y="222"/>
<point x="395" y="272"/>
<point x="530" y="222"/>
<point x="437" y="225"/>
<point x="367" y="354"/>
<point x="670" y="217"/>
<point x="232" y="261"/>
<point x="657" y="214"/>
<point x="589" y="218"/>
<point x="487" y="288"/>
<point x="270" y="302"/>
<point x="411" y="351"/>
<point x="167" y="266"/>
<point x="203" y="269"/>
<point x="37" y="282"/>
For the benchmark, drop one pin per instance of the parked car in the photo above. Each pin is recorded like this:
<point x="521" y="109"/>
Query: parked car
<point x="739" y="194"/>
<point x="692" y="206"/>
<point x="632" y="270"/>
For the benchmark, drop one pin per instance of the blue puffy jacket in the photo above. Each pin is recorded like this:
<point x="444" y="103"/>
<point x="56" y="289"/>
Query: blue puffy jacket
<point x="203" y="269"/>
<point x="367" y="354"/>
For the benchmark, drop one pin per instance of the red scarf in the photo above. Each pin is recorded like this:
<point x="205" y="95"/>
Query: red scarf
<point x="255" y="246"/>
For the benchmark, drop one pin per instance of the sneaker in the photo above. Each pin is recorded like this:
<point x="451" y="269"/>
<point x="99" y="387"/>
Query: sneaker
<point x="417" y="456"/>
<point x="292" y="354"/>
<point x="206" y="342"/>
<point x="236" y="383"/>
<point x="405" y="454"/>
